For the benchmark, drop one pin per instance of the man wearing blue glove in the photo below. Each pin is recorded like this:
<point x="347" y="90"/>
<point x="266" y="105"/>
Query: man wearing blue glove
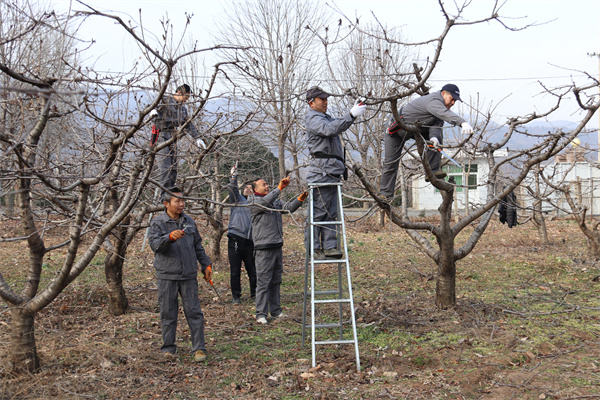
<point x="323" y="137"/>
<point x="171" y="115"/>
<point x="429" y="112"/>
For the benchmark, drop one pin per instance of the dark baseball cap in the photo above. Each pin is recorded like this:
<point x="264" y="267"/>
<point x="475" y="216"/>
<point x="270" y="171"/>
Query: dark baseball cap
<point x="315" y="92"/>
<point x="453" y="90"/>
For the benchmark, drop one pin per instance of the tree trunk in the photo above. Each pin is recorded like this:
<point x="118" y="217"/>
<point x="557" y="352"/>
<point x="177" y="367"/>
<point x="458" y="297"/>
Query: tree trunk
<point x="540" y="221"/>
<point x="23" y="349"/>
<point x="445" y="288"/>
<point x="113" y="271"/>
<point x="445" y="291"/>
<point x="214" y="243"/>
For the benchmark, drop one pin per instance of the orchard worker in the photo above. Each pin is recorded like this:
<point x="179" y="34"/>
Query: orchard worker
<point x="430" y="112"/>
<point x="323" y="137"/>
<point x="170" y="116"/>
<point x="177" y="247"/>
<point x="240" y="246"/>
<point x="267" y="234"/>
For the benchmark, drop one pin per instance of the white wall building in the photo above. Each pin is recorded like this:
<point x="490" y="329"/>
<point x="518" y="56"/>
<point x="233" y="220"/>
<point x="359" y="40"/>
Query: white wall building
<point x="470" y="186"/>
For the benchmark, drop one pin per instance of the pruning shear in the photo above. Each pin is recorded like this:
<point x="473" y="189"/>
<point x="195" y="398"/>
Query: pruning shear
<point x="430" y="144"/>
<point x="215" y="289"/>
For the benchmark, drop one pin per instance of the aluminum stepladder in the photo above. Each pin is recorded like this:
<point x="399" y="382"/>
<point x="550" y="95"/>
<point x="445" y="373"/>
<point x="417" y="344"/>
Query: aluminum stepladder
<point x="325" y="296"/>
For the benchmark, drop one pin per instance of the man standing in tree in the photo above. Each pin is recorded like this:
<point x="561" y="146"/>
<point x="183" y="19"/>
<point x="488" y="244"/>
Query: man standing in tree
<point x="240" y="247"/>
<point x="323" y="137"/>
<point x="177" y="247"/>
<point x="267" y="234"/>
<point x="429" y="112"/>
<point x="171" y="115"/>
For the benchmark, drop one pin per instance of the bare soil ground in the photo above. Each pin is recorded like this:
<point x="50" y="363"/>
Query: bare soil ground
<point x="526" y="326"/>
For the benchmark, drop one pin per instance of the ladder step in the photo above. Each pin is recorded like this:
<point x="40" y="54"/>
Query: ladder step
<point x="326" y="223"/>
<point x="318" y="292"/>
<point x="324" y="326"/>
<point x="333" y="301"/>
<point x="331" y="261"/>
<point x="335" y="342"/>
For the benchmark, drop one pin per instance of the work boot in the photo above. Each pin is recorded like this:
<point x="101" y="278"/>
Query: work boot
<point x="319" y="255"/>
<point x="236" y="300"/>
<point x="200" y="355"/>
<point x="333" y="253"/>
<point x="438" y="174"/>
<point x="279" y="316"/>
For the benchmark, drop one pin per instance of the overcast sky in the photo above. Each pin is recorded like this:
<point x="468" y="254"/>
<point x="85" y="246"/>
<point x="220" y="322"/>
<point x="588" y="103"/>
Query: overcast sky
<point x="486" y="61"/>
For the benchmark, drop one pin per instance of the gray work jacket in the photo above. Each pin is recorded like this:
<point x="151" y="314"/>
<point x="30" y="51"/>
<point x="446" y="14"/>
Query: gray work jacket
<point x="171" y="115"/>
<point x="323" y="140"/>
<point x="267" y="224"/>
<point x="176" y="260"/>
<point x="240" y="220"/>
<point x="430" y="112"/>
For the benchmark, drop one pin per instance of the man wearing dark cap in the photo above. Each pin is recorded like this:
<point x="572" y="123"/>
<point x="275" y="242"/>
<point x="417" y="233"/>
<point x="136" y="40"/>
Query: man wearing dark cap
<point x="171" y="115"/>
<point x="326" y="165"/>
<point x="429" y="112"/>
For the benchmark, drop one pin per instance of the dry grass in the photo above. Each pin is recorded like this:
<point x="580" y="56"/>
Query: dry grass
<point x="525" y="326"/>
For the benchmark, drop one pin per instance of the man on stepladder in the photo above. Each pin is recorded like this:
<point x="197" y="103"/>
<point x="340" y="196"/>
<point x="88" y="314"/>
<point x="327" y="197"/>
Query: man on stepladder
<point x="326" y="166"/>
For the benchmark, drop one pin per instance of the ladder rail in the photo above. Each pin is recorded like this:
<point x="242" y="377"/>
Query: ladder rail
<point x="311" y="263"/>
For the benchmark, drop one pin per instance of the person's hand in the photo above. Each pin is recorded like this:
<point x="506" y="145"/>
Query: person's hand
<point x="176" y="235"/>
<point x="303" y="196"/>
<point x="283" y="183"/>
<point x="208" y="274"/>
<point x="153" y="114"/>
<point x="201" y="143"/>
<point x="435" y="142"/>
<point x="358" y="109"/>
<point x="233" y="171"/>
<point x="466" y="128"/>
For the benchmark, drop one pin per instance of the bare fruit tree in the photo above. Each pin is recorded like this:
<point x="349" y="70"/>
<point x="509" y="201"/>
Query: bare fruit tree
<point x="444" y="251"/>
<point x="76" y="152"/>
<point x="277" y="65"/>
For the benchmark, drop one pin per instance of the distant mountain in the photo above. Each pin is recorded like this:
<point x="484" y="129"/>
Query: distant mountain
<point x="536" y="130"/>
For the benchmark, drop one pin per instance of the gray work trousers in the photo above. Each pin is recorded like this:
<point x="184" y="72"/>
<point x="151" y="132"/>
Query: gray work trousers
<point x="167" y="165"/>
<point x="325" y="208"/>
<point x="169" y="308"/>
<point x="269" y="270"/>
<point x="393" y="146"/>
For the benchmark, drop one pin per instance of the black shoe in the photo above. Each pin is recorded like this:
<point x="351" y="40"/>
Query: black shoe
<point x="236" y="300"/>
<point x="385" y="200"/>
<point x="438" y="174"/>
<point x="333" y="253"/>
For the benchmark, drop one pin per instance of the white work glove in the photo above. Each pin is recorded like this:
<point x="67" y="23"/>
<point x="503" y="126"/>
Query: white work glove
<point x="153" y="114"/>
<point x="435" y="142"/>
<point x="201" y="143"/>
<point x="358" y="109"/>
<point x="466" y="128"/>
<point x="233" y="171"/>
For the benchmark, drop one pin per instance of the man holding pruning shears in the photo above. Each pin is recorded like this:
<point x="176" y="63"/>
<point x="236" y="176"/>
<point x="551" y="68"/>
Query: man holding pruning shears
<point x="177" y="246"/>
<point x="429" y="112"/>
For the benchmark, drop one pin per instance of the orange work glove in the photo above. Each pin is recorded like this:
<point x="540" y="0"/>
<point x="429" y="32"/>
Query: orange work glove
<point x="303" y="196"/>
<point x="208" y="274"/>
<point x="175" y="235"/>
<point x="283" y="183"/>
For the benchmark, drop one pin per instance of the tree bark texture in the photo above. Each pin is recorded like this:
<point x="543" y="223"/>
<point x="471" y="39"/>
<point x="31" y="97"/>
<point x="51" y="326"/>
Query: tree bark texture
<point x="113" y="271"/>
<point x="445" y="288"/>
<point x="22" y="342"/>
